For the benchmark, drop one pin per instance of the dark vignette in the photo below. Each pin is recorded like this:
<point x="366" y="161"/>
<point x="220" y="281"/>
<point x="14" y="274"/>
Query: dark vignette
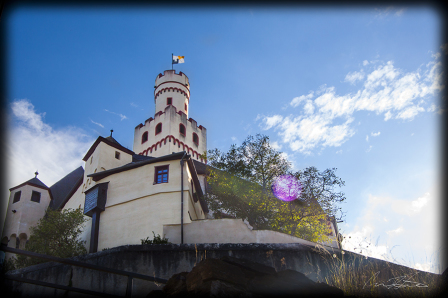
<point x="7" y="7"/>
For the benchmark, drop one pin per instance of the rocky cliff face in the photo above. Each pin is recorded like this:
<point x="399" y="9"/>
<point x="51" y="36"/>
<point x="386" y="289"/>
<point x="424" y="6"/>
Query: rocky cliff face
<point x="233" y="277"/>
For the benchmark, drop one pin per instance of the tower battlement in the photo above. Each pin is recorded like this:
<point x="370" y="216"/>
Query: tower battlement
<point x="172" y="89"/>
<point x="172" y="128"/>
<point x="171" y="75"/>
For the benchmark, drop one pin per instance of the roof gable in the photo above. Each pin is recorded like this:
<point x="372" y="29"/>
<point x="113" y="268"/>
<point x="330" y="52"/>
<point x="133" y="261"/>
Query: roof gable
<point x="33" y="182"/>
<point x="109" y="141"/>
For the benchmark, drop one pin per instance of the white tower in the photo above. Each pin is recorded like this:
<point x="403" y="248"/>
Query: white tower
<point x="27" y="205"/>
<point x="171" y="130"/>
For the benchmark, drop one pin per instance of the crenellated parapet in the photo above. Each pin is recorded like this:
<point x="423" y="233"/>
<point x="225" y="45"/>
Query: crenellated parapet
<point x="172" y="89"/>
<point x="180" y="145"/>
<point x="170" y="131"/>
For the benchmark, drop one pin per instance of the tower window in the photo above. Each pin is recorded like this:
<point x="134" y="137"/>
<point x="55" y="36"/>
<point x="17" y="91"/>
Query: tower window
<point x="186" y="108"/>
<point x="169" y="101"/>
<point x="35" y="196"/>
<point x="17" y="196"/>
<point x="158" y="128"/>
<point x="161" y="175"/>
<point x="117" y="155"/>
<point x="144" y="137"/>
<point x="195" y="139"/>
<point x="182" y="129"/>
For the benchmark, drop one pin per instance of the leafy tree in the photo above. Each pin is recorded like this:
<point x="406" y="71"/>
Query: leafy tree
<point x="56" y="234"/>
<point x="241" y="179"/>
<point x="240" y="182"/>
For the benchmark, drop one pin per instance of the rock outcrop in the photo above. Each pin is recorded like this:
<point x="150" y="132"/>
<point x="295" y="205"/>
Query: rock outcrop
<point x="233" y="277"/>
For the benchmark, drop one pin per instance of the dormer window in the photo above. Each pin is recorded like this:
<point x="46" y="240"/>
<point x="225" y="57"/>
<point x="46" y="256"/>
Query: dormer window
<point x="17" y="197"/>
<point x="195" y="139"/>
<point x="158" y="128"/>
<point x="144" y="137"/>
<point x="117" y="155"/>
<point x="169" y="101"/>
<point x="35" y="196"/>
<point x="182" y="129"/>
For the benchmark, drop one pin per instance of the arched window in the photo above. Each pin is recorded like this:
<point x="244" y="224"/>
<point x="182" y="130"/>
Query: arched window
<point x="195" y="139"/>
<point x="158" y="128"/>
<point x="182" y="129"/>
<point x="22" y="240"/>
<point x="144" y="137"/>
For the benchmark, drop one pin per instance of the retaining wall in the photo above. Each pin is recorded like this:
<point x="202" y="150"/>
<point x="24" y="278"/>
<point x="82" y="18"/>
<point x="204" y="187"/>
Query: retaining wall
<point x="165" y="260"/>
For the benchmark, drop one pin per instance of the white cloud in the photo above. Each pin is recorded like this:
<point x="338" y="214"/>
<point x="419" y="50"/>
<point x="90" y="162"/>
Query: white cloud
<point x="339" y="152"/>
<point x="417" y="205"/>
<point x="409" y="113"/>
<point x="297" y="100"/>
<point x="309" y="107"/>
<point x="398" y="222"/>
<point x="34" y="145"/>
<point x="375" y="134"/>
<point x="276" y="145"/>
<point x="385" y="90"/>
<point x="352" y="77"/>
<point x="303" y="134"/>
<point x="432" y="108"/>
<point x="121" y="115"/>
<point x="272" y="121"/>
<point x="400" y="12"/>
<point x="397" y="231"/>
<point x="365" y="62"/>
<point x="367" y="138"/>
<point x="99" y="124"/>
<point x="370" y="148"/>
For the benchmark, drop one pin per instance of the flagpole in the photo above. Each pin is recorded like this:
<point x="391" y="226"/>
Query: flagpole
<point x="172" y="61"/>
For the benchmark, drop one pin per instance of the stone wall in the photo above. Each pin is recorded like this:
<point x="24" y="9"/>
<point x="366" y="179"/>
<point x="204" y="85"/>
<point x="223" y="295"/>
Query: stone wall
<point x="230" y="230"/>
<point x="165" y="260"/>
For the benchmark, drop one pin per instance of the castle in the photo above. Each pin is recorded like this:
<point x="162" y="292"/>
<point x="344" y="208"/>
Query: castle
<point x="127" y="194"/>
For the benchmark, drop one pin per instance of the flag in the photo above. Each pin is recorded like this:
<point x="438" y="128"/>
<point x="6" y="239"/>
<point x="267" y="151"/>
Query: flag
<point x="178" y="59"/>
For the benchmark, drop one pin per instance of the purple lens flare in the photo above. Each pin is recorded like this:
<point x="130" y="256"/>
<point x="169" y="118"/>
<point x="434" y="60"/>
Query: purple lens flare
<point x="286" y="188"/>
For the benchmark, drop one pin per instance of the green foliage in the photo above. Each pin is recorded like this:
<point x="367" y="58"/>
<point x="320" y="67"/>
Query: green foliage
<point x="8" y="264"/>
<point x="56" y="234"/>
<point x="156" y="240"/>
<point x="240" y="181"/>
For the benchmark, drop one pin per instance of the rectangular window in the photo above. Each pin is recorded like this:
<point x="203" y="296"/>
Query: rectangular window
<point x="161" y="175"/>
<point x="17" y="196"/>
<point x="117" y="155"/>
<point x="169" y="101"/>
<point x="35" y="196"/>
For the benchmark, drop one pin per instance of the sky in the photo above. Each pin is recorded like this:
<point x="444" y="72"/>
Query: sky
<point x="352" y="88"/>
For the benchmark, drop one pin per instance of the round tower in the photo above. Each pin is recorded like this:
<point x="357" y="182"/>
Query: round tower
<point x="171" y="130"/>
<point x="172" y="89"/>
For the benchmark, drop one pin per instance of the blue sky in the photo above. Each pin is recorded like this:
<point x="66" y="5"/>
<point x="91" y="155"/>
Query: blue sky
<point x="357" y="89"/>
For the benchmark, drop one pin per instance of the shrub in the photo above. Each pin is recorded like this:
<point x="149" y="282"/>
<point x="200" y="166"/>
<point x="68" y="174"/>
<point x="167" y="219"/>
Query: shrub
<point x="156" y="240"/>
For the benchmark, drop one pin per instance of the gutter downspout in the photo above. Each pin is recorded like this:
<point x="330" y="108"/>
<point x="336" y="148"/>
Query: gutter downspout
<point x="182" y="198"/>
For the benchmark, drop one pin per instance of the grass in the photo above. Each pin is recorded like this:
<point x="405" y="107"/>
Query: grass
<point x="361" y="276"/>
